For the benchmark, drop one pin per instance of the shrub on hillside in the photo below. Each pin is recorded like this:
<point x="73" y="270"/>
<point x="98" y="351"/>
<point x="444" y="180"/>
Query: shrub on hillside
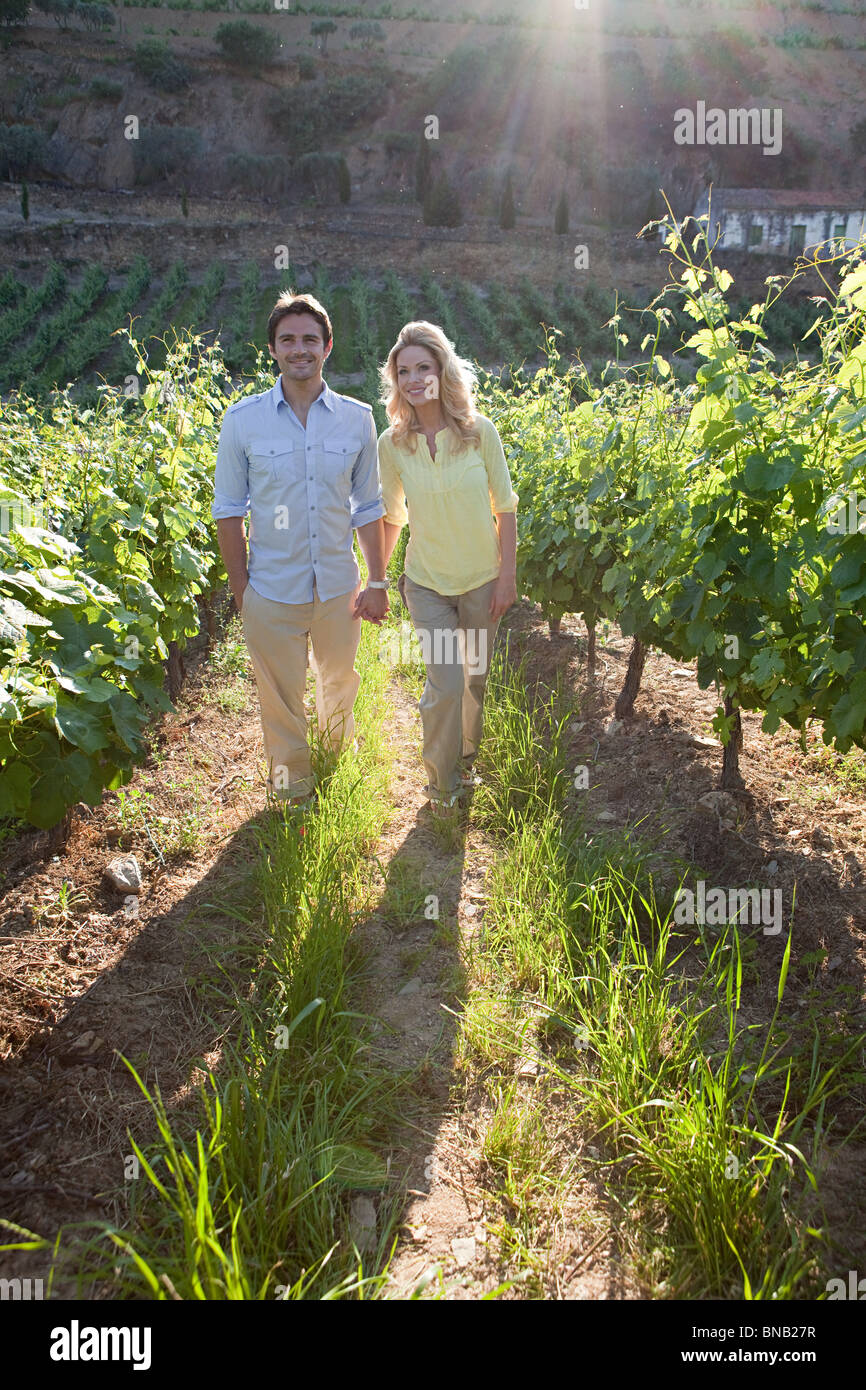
<point x="258" y="173"/>
<point x="356" y="97"/>
<point x="367" y="33"/>
<point x="324" y="174"/>
<point x="61" y="11"/>
<point x="22" y="148"/>
<point x="154" y="61"/>
<point x="247" y="45"/>
<point x="14" y="11"/>
<point x="162" y="149"/>
<point x="91" y="15"/>
<point x="472" y="85"/>
<point x="95" y="16"/>
<point x="104" y="89"/>
<point x="400" y="141"/>
<point x="320" y="29"/>
<point x="337" y="106"/>
<point x="442" y="205"/>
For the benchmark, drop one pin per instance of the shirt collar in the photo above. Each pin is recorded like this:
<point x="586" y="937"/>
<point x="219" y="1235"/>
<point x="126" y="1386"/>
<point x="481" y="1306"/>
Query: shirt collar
<point x="326" y="395"/>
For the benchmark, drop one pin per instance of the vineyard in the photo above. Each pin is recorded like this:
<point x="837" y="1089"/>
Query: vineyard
<point x="716" y="523"/>
<point x="65" y="329"/>
<point x="698" y="518"/>
<point x="697" y="489"/>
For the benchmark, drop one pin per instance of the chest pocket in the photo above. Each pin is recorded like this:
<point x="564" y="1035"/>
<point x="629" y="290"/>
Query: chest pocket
<point x="336" y="463"/>
<point x="275" y="462"/>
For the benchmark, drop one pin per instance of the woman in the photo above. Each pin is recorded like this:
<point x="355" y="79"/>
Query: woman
<point x="443" y="470"/>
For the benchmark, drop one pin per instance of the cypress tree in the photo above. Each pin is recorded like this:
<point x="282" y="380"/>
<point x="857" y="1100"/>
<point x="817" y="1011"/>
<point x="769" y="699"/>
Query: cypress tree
<point x="507" y="215"/>
<point x="560" y="219"/>
<point x="423" y="170"/>
<point x="344" y="182"/>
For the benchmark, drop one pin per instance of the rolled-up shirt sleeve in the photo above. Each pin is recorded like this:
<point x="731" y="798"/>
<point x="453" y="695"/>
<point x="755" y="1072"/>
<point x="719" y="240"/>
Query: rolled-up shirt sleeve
<point x="503" y="498"/>
<point x="231" y="475"/>
<point x="366" y="495"/>
<point x="396" y="513"/>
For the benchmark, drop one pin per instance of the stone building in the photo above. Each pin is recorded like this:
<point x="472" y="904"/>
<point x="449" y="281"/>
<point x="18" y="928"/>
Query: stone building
<point x="781" y="221"/>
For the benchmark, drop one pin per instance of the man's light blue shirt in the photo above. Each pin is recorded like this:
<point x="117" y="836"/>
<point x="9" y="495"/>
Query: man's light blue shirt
<point x="306" y="490"/>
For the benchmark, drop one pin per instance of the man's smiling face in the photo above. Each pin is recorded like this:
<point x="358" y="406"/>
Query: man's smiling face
<point x="299" y="348"/>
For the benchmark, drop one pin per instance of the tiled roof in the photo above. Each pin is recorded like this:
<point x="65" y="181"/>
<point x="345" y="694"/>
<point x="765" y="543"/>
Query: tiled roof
<point x="768" y="199"/>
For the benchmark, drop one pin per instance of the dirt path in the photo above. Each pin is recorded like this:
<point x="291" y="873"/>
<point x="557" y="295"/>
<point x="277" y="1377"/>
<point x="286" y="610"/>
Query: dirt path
<point x="419" y="974"/>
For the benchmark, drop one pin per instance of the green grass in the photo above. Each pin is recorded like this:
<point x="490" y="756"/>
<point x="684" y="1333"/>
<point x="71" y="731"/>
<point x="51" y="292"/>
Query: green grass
<point x="709" y="1127"/>
<point x="230" y="670"/>
<point x="845" y="770"/>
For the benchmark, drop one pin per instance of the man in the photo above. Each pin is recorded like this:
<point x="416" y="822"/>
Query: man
<point x="302" y="460"/>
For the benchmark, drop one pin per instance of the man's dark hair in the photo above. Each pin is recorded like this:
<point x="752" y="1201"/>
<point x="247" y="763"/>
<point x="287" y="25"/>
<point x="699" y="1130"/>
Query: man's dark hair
<point x="289" y="303"/>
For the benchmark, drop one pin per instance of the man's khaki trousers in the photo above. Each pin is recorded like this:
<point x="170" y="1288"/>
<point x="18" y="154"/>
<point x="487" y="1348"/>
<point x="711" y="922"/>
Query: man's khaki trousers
<point x="276" y="635"/>
<point x="456" y="634"/>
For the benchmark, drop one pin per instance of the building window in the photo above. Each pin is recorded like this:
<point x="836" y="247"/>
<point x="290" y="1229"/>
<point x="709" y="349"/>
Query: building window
<point x="839" y="229"/>
<point x="756" y="234"/>
<point x="798" y="239"/>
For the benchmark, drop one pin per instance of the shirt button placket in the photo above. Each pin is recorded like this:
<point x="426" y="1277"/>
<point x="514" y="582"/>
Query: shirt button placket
<point x="311" y="479"/>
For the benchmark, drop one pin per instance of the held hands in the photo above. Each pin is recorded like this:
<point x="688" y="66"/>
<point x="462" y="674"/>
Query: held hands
<point x="504" y="594"/>
<point x="371" y="604"/>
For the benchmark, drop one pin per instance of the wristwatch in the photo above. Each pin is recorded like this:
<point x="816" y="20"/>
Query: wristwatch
<point x="378" y="584"/>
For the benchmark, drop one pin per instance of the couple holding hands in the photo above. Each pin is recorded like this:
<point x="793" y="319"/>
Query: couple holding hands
<point x="306" y="465"/>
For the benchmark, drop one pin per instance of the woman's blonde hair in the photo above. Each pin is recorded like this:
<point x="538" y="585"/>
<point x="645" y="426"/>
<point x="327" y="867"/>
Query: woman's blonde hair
<point x="456" y="386"/>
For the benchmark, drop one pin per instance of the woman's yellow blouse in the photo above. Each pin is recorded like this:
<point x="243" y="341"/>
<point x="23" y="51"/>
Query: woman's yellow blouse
<point x="449" y="503"/>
